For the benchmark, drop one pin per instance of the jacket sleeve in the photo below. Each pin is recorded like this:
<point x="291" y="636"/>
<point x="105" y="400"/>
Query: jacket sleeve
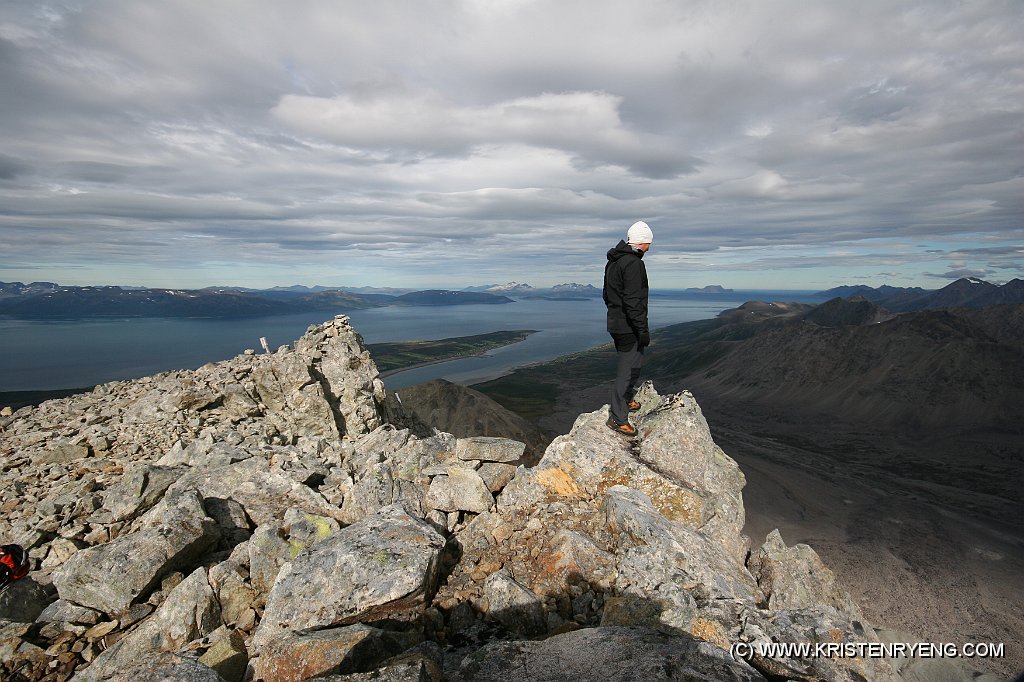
<point x="632" y="296"/>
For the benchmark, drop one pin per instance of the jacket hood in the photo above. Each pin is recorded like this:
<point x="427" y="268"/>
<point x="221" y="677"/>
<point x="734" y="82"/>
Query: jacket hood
<point x="623" y="249"/>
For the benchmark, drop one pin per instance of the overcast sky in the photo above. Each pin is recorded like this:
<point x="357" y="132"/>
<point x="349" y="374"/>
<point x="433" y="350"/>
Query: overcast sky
<point x="769" y="144"/>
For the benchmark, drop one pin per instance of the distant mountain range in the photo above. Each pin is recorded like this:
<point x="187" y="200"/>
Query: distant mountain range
<point x="710" y="289"/>
<point x="15" y="289"/>
<point x="46" y="300"/>
<point x="445" y="297"/>
<point x="559" y="292"/>
<point x="49" y="300"/>
<point x="963" y="293"/>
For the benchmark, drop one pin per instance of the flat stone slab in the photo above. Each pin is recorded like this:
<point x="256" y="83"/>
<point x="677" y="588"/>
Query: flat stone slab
<point x="489" y="449"/>
<point x="461" y="490"/>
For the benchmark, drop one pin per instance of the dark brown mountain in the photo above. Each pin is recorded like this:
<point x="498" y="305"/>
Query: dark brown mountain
<point x="936" y="368"/>
<point x="847" y="312"/>
<point x="1011" y="292"/>
<point x="465" y="412"/>
<point x="961" y="293"/>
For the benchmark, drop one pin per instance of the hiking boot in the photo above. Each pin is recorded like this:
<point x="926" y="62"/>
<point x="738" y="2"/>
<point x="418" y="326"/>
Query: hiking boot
<point x="625" y="429"/>
<point x="633" y="406"/>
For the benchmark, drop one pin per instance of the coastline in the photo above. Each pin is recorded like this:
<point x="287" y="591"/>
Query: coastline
<point x="428" y="363"/>
<point x="18" y="399"/>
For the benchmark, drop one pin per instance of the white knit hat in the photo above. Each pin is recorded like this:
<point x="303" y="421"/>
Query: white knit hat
<point x="639" y="233"/>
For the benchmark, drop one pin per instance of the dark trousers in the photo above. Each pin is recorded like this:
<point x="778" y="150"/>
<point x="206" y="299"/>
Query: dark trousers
<point x="630" y="357"/>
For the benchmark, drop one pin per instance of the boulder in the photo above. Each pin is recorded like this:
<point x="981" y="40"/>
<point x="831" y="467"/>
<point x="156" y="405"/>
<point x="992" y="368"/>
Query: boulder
<point x="172" y="536"/>
<point x="512" y="605"/>
<point x="62" y="611"/>
<point x="337" y="357"/>
<point x="384" y="566"/>
<point x="375" y="490"/>
<point x="61" y="549"/>
<point x="237" y="403"/>
<point x="235" y="597"/>
<point x="406" y="668"/>
<point x="190" y="611"/>
<point x="606" y="653"/>
<point x="818" y="623"/>
<point x="573" y="553"/>
<point x="795" y="578"/>
<point x="228" y="657"/>
<point x="595" y="459"/>
<point x="379" y="445"/>
<point x="61" y="453"/>
<point x="489" y="449"/>
<point x="670" y="563"/>
<point x="461" y="489"/>
<point x="24" y="601"/>
<point x="167" y="668"/>
<point x="139" y="488"/>
<point x="678" y="444"/>
<point x="496" y="475"/>
<point x="272" y="546"/>
<point x="264" y="494"/>
<point x="296" y="656"/>
<point x="391" y="465"/>
<point x="304" y="529"/>
<point x="268" y="551"/>
<point x="295" y="400"/>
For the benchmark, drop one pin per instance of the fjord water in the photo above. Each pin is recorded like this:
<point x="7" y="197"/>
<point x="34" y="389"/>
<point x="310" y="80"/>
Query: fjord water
<point x="48" y="355"/>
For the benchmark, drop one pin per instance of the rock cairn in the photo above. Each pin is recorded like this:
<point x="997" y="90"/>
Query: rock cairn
<point x="278" y="517"/>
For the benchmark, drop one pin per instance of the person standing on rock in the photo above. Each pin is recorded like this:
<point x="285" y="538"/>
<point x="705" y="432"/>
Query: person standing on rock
<point x="625" y="294"/>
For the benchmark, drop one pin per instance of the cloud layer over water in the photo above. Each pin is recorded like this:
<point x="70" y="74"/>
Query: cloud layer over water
<point x="773" y="144"/>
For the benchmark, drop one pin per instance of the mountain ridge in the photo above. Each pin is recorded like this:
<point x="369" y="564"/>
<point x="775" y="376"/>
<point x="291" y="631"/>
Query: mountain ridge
<point x="281" y="509"/>
<point x="908" y="366"/>
<point x="969" y="292"/>
<point x="919" y="513"/>
<point x="567" y="291"/>
<point x="92" y="302"/>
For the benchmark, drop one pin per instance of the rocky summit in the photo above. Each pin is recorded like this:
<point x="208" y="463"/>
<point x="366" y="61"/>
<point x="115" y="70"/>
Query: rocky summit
<point x="279" y="516"/>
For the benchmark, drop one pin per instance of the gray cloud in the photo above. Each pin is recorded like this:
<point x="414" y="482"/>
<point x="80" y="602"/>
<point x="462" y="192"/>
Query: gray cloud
<point x="585" y="125"/>
<point x="519" y="136"/>
<point x="961" y="273"/>
<point x="11" y="168"/>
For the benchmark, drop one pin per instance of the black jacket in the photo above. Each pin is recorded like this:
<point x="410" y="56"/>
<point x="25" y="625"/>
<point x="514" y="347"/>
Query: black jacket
<point x="625" y="290"/>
